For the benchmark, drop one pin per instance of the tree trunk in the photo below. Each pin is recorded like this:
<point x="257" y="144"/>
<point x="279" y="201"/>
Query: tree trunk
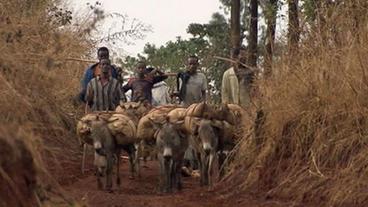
<point x="253" y="33"/>
<point x="270" y="39"/>
<point x="246" y="75"/>
<point x="235" y="23"/>
<point x="294" y="32"/>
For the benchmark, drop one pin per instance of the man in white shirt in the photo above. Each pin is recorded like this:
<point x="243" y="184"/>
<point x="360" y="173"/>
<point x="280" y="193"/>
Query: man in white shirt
<point x="231" y="93"/>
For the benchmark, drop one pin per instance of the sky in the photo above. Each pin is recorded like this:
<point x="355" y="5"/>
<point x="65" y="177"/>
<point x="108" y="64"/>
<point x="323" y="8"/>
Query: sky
<point x="168" y="18"/>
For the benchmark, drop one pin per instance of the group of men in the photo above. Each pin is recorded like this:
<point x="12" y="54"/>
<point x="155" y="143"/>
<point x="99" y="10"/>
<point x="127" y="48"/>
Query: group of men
<point x="101" y="90"/>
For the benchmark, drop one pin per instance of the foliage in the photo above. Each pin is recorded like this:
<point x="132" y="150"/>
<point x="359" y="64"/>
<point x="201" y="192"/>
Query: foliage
<point x="59" y="16"/>
<point x="38" y="82"/>
<point x="123" y="30"/>
<point x="208" y="40"/>
<point x="113" y="30"/>
<point x="311" y="144"/>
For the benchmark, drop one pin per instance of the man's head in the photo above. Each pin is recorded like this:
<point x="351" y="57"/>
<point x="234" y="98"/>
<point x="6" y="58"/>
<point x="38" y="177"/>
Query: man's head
<point x="239" y="54"/>
<point x="105" y="66"/>
<point x="102" y="53"/>
<point x="192" y="63"/>
<point x="141" y="69"/>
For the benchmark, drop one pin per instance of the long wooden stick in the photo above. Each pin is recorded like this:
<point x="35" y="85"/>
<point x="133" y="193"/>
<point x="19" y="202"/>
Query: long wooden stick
<point x="93" y="61"/>
<point x="67" y="59"/>
<point x="170" y="74"/>
<point x="233" y="61"/>
<point x="167" y="74"/>
<point x="80" y="60"/>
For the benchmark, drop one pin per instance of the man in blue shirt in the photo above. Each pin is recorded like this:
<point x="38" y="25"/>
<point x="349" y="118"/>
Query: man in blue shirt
<point x="94" y="71"/>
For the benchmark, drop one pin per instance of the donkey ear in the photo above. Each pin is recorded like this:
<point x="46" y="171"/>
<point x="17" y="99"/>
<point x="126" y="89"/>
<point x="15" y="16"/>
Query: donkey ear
<point x="224" y="106"/>
<point x="178" y="123"/>
<point x="167" y="118"/>
<point x="88" y="122"/>
<point x="196" y="122"/>
<point x="146" y="104"/>
<point x="217" y="124"/>
<point x="195" y="130"/>
<point x="156" y="125"/>
<point x="134" y="104"/>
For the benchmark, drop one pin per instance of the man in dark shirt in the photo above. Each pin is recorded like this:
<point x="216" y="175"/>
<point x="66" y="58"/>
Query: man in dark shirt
<point x="142" y="85"/>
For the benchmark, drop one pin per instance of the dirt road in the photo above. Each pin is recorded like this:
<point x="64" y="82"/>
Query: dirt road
<point x="143" y="192"/>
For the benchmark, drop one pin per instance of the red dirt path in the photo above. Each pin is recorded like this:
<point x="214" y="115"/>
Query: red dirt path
<point x="143" y="192"/>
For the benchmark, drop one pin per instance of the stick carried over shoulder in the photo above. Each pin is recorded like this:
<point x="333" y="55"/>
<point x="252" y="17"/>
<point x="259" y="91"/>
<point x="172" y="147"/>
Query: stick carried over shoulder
<point x="233" y="61"/>
<point x="162" y="73"/>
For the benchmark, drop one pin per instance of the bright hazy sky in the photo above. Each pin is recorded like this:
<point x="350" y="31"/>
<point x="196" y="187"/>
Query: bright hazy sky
<point x="168" y="18"/>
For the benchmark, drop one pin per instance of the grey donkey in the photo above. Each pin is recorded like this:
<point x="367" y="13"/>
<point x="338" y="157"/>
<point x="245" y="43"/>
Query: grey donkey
<point x="171" y="144"/>
<point x="105" y="150"/>
<point x="206" y="141"/>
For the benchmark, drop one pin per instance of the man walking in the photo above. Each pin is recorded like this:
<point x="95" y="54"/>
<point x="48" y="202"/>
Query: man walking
<point x="192" y="85"/>
<point x="231" y="92"/>
<point x="103" y="92"/>
<point x="142" y="85"/>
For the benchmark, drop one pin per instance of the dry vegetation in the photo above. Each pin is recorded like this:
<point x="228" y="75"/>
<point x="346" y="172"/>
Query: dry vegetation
<point x="37" y="87"/>
<point x="311" y="147"/>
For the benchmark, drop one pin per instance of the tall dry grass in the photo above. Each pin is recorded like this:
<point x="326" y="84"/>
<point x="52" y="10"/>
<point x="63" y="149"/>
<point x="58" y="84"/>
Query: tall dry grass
<point x="312" y="146"/>
<point x="37" y="86"/>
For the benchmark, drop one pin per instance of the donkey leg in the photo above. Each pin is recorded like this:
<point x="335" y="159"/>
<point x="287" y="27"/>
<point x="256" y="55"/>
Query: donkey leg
<point x="137" y="147"/>
<point x="162" y="173"/>
<point x="167" y="164"/>
<point x="109" y="167"/>
<point x="131" y="154"/>
<point x="216" y="168"/>
<point x="202" y="170"/>
<point x="173" y="180"/>
<point x="211" y="169"/>
<point x="206" y="169"/>
<point x="99" y="176"/>
<point x="84" y="157"/>
<point x="118" y="181"/>
<point x="221" y="161"/>
<point x="178" y="183"/>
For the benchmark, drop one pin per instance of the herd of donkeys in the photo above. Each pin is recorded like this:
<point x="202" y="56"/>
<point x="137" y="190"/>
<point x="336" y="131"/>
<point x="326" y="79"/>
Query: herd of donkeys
<point x="209" y="129"/>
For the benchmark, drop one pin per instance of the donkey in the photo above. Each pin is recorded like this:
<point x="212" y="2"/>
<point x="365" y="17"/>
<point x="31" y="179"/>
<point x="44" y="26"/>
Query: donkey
<point x="171" y="144"/>
<point x="105" y="149"/>
<point x="206" y="141"/>
<point x="135" y="111"/>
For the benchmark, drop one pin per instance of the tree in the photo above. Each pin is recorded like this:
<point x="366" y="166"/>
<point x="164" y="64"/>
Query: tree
<point x="244" y="15"/>
<point x="293" y="29"/>
<point x="271" y="14"/>
<point x="235" y="23"/>
<point x="253" y="33"/>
